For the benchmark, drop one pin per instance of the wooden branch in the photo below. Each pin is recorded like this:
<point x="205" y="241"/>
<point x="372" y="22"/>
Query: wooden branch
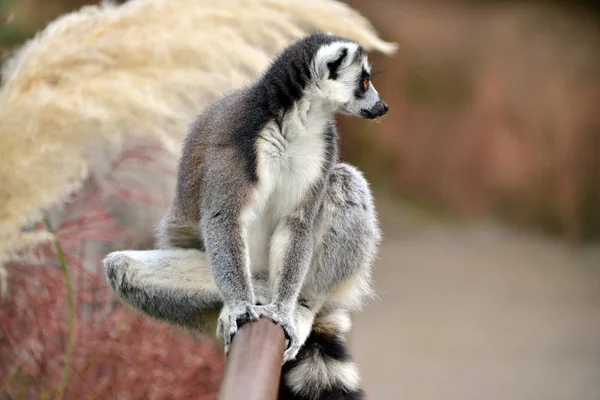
<point x="253" y="367"/>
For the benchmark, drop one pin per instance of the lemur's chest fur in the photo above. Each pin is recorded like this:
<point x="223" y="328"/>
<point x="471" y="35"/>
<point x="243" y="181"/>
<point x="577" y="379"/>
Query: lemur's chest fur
<point x="290" y="161"/>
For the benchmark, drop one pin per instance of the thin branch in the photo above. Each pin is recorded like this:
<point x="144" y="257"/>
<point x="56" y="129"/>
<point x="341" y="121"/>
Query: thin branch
<point x="71" y="312"/>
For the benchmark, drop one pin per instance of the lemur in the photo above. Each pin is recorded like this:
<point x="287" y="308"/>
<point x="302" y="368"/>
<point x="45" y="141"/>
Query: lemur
<point x="266" y="221"/>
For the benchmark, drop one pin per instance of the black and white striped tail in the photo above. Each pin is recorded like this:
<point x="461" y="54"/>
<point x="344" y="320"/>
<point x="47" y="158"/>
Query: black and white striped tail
<point x="323" y="368"/>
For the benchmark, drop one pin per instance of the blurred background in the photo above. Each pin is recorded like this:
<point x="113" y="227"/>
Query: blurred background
<point x="487" y="178"/>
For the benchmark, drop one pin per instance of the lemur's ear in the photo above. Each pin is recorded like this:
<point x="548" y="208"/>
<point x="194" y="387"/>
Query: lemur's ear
<point x="329" y="60"/>
<point x="334" y="66"/>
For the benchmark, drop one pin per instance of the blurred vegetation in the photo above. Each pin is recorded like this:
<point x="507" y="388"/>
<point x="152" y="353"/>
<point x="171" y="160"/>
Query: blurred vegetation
<point x="435" y="86"/>
<point x="493" y="111"/>
<point x="12" y="32"/>
<point x="23" y="18"/>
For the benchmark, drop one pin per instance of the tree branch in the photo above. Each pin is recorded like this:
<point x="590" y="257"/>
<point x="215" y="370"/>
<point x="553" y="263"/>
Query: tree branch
<point x="253" y="369"/>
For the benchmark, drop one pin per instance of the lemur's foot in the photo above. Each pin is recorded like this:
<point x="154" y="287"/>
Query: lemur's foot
<point x="286" y="320"/>
<point x="231" y="318"/>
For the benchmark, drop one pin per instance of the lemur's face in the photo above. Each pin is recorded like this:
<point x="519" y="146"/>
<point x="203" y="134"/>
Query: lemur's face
<point x="344" y="79"/>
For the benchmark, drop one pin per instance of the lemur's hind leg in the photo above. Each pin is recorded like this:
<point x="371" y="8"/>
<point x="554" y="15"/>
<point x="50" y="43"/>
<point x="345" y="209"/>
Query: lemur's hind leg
<point x="177" y="286"/>
<point x="174" y="285"/>
<point x="348" y="238"/>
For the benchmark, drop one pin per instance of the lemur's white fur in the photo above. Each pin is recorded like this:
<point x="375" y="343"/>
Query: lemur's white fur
<point x="323" y="373"/>
<point x="290" y="159"/>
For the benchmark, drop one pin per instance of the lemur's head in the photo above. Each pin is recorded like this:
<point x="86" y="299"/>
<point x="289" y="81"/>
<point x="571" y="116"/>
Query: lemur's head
<point x="327" y="67"/>
<point x="343" y="77"/>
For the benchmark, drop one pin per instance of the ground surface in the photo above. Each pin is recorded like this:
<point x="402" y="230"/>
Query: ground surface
<point x="479" y="312"/>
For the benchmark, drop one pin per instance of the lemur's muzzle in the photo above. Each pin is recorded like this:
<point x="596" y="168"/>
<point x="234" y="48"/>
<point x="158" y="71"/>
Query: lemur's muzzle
<point x="379" y="109"/>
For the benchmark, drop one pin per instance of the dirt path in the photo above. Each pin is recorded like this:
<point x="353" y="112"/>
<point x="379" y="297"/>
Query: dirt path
<point x="478" y="312"/>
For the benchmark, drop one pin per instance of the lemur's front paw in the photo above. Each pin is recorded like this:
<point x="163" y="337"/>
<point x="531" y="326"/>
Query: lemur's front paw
<point x="231" y="318"/>
<point x="286" y="320"/>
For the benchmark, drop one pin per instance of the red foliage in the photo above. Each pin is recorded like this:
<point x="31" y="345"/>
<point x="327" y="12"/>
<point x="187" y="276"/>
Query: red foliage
<point x="118" y="353"/>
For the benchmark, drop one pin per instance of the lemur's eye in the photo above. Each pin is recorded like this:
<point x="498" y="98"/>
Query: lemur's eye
<point x="365" y="83"/>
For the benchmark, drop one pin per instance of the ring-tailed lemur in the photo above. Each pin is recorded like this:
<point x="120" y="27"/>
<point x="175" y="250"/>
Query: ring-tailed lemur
<point x="288" y="231"/>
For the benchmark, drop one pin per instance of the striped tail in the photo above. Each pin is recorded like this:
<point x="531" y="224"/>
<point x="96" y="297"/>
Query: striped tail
<point x="323" y="368"/>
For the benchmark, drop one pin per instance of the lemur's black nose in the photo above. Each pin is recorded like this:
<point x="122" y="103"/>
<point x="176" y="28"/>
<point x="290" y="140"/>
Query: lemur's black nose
<point x="380" y="108"/>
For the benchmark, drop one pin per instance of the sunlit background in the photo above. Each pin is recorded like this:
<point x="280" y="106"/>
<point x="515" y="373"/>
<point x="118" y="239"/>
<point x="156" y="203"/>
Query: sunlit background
<point x="487" y="177"/>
